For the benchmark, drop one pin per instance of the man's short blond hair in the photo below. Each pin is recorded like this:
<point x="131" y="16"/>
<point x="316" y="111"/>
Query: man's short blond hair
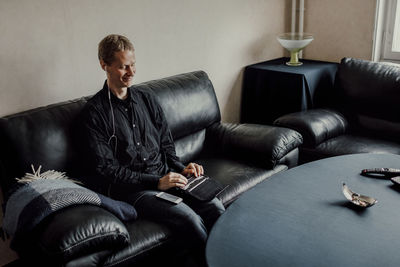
<point x="113" y="43"/>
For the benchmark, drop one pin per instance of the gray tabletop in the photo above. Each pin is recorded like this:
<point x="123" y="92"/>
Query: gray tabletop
<point x="301" y="218"/>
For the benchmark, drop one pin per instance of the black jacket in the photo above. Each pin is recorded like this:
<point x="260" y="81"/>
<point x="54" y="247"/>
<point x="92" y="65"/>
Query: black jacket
<point x="139" y="151"/>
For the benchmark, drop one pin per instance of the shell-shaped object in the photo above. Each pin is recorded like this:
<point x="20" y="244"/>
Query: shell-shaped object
<point x="395" y="180"/>
<point x="357" y="199"/>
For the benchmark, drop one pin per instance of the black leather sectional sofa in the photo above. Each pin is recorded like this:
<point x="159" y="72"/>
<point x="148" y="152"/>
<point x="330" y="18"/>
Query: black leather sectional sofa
<point x="360" y="115"/>
<point x="237" y="155"/>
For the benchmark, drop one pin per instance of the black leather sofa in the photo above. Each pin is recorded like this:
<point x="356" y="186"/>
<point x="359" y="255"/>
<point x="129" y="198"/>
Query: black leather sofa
<point x="360" y="115"/>
<point x="84" y="235"/>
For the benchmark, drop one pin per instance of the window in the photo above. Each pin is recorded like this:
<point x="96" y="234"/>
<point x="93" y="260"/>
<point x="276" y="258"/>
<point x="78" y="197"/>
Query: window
<point x="392" y="32"/>
<point x="387" y="31"/>
<point x="396" y="30"/>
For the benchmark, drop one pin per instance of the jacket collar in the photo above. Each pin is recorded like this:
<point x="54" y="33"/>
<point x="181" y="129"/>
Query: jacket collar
<point x="131" y="94"/>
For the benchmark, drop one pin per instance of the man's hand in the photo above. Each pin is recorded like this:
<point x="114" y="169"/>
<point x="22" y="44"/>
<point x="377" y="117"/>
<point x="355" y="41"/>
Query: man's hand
<point x="193" y="169"/>
<point x="170" y="180"/>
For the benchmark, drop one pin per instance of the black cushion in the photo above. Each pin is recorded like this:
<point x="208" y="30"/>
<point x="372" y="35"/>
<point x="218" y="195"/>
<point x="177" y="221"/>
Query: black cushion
<point x="189" y="147"/>
<point x="351" y="144"/>
<point x="80" y="230"/>
<point x="369" y="89"/>
<point x="146" y="236"/>
<point x="42" y="136"/>
<point x="263" y="144"/>
<point x="236" y="175"/>
<point x="315" y="125"/>
<point x="188" y="101"/>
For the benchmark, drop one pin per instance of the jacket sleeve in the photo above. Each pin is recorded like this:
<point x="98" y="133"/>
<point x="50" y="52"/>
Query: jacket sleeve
<point x="101" y="155"/>
<point x="167" y="143"/>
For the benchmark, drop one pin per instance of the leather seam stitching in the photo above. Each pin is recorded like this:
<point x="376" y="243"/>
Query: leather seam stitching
<point x="134" y="255"/>
<point x="91" y="238"/>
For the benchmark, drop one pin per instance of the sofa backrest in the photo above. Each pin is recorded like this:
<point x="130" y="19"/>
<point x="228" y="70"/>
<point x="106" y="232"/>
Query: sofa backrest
<point x="368" y="93"/>
<point x="188" y="101"/>
<point x="48" y="135"/>
<point x="190" y="106"/>
<point x="41" y="136"/>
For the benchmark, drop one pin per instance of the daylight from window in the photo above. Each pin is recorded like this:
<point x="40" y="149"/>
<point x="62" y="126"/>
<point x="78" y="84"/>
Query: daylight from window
<point x="396" y="30"/>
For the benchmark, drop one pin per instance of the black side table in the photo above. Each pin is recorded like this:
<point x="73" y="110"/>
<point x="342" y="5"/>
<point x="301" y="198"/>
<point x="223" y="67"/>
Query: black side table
<point x="272" y="89"/>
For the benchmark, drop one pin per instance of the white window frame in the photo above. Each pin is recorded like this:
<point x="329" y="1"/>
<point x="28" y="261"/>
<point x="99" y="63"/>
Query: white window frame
<point x="383" y="37"/>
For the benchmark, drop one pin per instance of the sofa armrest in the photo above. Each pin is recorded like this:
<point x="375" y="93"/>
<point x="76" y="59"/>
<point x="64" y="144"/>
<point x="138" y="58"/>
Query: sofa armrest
<point x="77" y="231"/>
<point x="259" y="143"/>
<point x="315" y="125"/>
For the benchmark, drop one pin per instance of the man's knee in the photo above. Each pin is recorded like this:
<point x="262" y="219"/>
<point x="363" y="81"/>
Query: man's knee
<point x="216" y="209"/>
<point x="179" y="217"/>
<point x="218" y="206"/>
<point x="209" y="211"/>
<point x="191" y="225"/>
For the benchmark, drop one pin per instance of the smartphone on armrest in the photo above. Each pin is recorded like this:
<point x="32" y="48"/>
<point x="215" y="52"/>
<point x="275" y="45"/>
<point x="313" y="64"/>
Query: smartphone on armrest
<point x="169" y="197"/>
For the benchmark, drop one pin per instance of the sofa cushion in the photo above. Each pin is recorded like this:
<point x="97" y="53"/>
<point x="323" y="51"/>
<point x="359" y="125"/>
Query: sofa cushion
<point x="189" y="147"/>
<point x="262" y="144"/>
<point x="315" y="125"/>
<point x="146" y="236"/>
<point x="349" y="144"/>
<point x="80" y="230"/>
<point x="36" y="200"/>
<point x="91" y="260"/>
<point x="369" y="89"/>
<point x="381" y="128"/>
<point x="42" y="136"/>
<point x="239" y="175"/>
<point x="188" y="101"/>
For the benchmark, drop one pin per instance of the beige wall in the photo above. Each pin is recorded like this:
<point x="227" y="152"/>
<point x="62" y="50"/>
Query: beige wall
<point x="48" y="49"/>
<point x="341" y="28"/>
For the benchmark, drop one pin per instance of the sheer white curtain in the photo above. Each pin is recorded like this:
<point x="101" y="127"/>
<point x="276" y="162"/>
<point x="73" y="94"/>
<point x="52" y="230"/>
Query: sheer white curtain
<point x="387" y="31"/>
<point x="396" y="29"/>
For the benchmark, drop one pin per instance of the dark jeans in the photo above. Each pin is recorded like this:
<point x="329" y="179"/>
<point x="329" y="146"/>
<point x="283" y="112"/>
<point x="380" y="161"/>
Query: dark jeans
<point x="191" y="220"/>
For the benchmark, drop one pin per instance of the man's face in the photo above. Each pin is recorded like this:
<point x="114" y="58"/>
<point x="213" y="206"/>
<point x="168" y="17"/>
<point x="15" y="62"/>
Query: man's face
<point x="121" y="71"/>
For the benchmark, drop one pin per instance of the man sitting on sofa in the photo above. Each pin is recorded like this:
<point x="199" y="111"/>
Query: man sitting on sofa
<point x="132" y="152"/>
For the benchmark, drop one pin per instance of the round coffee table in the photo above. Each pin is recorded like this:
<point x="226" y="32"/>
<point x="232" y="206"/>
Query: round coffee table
<point x="301" y="218"/>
